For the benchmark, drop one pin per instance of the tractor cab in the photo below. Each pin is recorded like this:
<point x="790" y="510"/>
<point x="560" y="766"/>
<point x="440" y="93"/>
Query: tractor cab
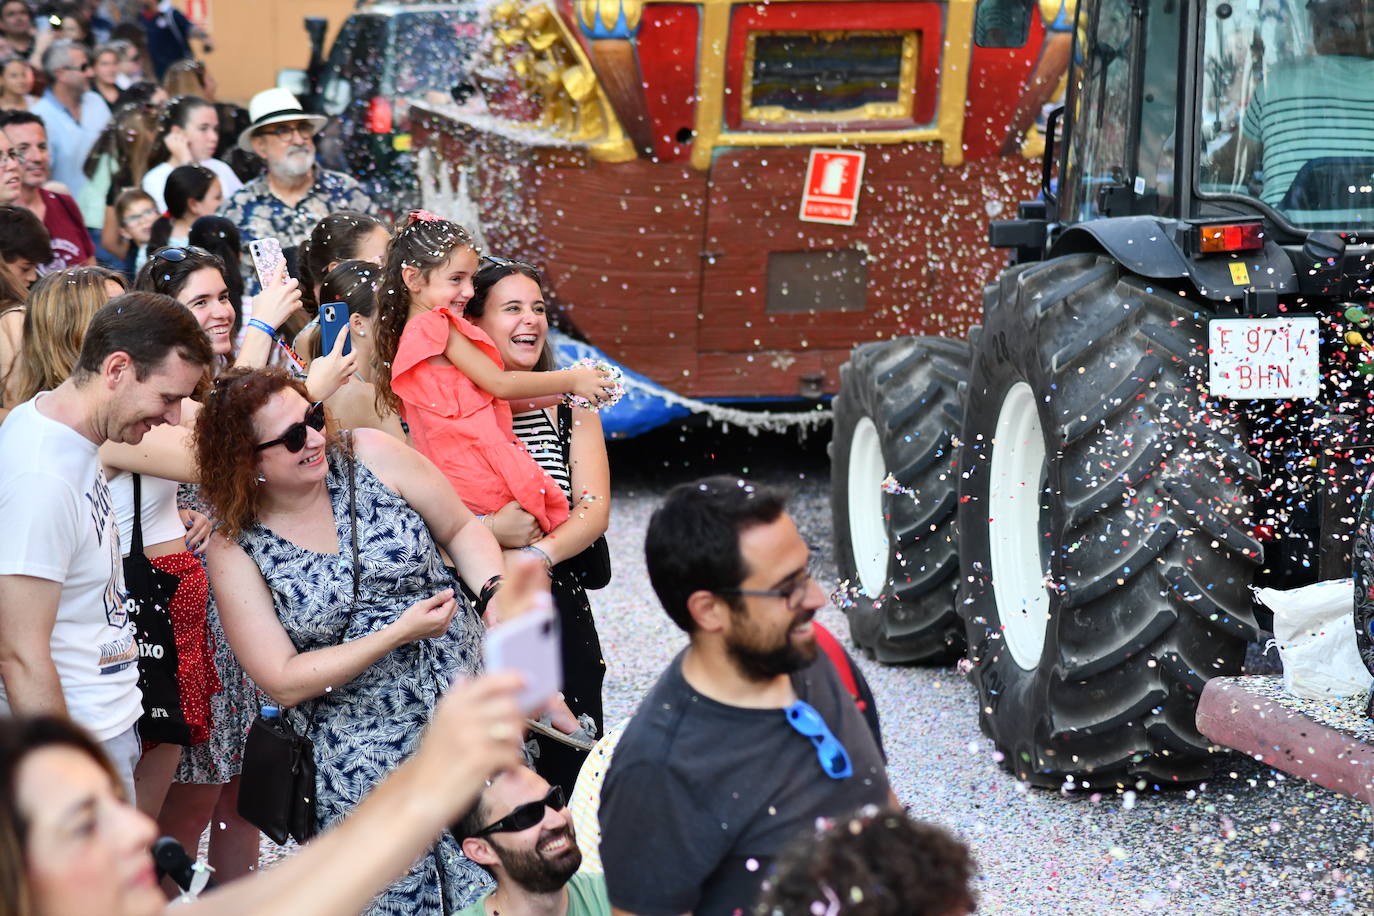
<point x="1249" y="123"/>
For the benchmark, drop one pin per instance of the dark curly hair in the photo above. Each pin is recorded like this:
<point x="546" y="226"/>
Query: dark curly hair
<point x="225" y="444"/>
<point x="425" y="243"/>
<point x="873" y="863"/>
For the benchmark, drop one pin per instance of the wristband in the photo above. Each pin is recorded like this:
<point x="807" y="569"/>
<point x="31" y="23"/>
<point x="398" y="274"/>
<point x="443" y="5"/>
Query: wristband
<point x="263" y="326"/>
<point x="485" y="594"/>
<point x="539" y="552"/>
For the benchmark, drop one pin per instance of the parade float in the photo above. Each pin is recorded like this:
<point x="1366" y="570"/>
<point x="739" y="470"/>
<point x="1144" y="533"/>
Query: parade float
<point x="725" y="197"/>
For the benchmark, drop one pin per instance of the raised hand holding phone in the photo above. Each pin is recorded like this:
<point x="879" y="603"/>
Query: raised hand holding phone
<point x="528" y="642"/>
<point x="268" y="260"/>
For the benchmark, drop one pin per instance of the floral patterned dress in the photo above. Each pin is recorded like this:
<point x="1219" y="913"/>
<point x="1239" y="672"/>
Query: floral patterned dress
<point x="364" y="728"/>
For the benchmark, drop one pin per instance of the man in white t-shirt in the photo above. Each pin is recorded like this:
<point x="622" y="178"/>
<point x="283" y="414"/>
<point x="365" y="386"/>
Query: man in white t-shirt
<point x="66" y="642"/>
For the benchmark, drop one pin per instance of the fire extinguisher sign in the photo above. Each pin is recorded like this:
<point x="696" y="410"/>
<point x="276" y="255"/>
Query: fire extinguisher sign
<point x="833" y="180"/>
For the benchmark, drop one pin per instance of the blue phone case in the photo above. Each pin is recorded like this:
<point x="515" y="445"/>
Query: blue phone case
<point x="334" y="321"/>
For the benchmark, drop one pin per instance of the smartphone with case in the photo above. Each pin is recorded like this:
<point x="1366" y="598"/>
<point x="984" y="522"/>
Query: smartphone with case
<point x="268" y="259"/>
<point x="529" y="644"/>
<point x="333" y="322"/>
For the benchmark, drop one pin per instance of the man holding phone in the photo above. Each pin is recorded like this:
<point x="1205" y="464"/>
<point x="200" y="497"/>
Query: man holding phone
<point x="749" y="735"/>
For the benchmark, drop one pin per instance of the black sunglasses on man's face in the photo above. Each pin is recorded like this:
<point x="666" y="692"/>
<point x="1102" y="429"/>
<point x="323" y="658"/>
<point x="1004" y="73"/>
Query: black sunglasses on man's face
<point x="527" y="815"/>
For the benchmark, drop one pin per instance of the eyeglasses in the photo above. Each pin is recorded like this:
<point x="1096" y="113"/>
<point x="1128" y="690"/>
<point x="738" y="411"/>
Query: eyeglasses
<point x="84" y="68"/>
<point x="284" y="131"/>
<point x="527" y="815"/>
<point x="294" y="437"/>
<point x="794" y="594"/>
<point x="178" y="254"/>
<point x="13" y="156"/>
<point x="834" y="759"/>
<point x="144" y="216"/>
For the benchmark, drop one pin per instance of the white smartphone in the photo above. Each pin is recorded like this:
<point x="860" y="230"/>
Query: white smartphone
<point x="268" y="259"/>
<point x="529" y="644"/>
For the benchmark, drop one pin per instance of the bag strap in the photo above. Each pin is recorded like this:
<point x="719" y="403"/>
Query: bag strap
<point x="353" y="538"/>
<point x="136" y="545"/>
<point x="840" y="660"/>
<point x="352" y="517"/>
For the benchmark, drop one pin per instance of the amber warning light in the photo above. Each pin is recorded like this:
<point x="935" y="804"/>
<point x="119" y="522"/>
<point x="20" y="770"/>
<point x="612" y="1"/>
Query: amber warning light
<point x="1216" y="239"/>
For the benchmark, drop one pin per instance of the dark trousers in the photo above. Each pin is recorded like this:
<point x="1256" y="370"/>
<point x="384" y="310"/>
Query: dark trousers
<point x="583" y="671"/>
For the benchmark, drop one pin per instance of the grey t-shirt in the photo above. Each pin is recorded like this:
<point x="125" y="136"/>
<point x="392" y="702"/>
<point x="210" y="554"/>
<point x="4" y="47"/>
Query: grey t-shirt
<point x="701" y="796"/>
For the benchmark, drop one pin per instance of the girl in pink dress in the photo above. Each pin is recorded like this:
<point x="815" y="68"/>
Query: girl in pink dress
<point x="446" y="378"/>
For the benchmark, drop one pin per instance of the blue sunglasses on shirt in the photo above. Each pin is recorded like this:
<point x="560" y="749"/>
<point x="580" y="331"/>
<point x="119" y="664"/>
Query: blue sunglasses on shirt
<point x="834" y="759"/>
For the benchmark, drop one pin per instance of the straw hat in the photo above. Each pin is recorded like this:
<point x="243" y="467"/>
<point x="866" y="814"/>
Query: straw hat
<point x="273" y="106"/>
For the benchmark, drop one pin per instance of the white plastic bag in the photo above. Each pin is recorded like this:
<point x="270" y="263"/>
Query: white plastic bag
<point x="1314" y="627"/>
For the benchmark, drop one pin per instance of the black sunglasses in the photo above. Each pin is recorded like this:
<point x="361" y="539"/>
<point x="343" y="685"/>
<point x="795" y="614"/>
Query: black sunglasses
<point x="294" y="437"/>
<point x="178" y="254"/>
<point x="527" y="815"/>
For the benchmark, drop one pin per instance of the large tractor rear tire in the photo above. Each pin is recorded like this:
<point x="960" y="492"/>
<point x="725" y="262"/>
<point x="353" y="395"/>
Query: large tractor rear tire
<point x="1104" y="526"/>
<point x="897" y="415"/>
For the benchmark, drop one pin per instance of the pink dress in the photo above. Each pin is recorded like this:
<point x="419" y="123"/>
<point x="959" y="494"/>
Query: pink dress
<point x="465" y="430"/>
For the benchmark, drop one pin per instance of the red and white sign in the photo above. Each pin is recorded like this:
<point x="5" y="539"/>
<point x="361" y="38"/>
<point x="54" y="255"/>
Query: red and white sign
<point x="833" y="180"/>
<point x="198" y="11"/>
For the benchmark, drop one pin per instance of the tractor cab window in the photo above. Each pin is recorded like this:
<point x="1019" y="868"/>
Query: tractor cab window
<point x="1124" y="105"/>
<point x="1287" y="107"/>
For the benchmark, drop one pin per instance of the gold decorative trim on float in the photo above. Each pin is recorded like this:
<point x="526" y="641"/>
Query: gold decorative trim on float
<point x="549" y="64"/>
<point x="900" y="110"/>
<point x="711" y="76"/>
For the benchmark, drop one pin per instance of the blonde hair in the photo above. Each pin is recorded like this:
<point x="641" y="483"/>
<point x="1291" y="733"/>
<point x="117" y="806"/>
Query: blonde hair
<point x="61" y="305"/>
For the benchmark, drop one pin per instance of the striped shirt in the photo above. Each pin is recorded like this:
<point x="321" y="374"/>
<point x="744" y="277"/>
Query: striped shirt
<point x="1309" y="109"/>
<point x="537" y="431"/>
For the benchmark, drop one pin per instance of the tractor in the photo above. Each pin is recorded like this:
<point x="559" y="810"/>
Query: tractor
<point x="1164" y="403"/>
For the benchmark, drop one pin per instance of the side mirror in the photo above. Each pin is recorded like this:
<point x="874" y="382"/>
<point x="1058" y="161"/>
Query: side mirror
<point x="294" y="81"/>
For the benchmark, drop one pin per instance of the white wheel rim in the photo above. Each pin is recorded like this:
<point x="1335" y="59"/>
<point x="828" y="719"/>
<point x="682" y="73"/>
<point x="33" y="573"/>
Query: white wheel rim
<point x="867" y="528"/>
<point x="1014" y="535"/>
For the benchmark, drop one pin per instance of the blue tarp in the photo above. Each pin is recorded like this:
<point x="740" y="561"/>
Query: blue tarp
<point x="641" y="409"/>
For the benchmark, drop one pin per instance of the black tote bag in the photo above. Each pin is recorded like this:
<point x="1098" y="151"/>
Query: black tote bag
<point x="151" y="590"/>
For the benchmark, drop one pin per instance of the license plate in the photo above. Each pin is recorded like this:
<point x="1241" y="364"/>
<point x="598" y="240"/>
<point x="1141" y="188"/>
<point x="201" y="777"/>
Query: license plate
<point x="1263" y="357"/>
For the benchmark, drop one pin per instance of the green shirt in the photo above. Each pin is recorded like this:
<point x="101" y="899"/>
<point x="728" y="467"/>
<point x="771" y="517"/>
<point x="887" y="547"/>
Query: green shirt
<point x="586" y="897"/>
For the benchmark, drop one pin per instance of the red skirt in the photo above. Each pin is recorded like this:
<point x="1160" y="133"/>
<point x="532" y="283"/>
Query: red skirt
<point x="197" y="678"/>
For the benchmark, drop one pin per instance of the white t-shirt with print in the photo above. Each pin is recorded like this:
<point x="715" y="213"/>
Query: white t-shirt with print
<point x="59" y="524"/>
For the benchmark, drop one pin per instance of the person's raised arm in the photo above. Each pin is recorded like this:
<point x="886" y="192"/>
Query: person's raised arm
<point x="265" y="650"/>
<point x="110" y="237"/>
<point x="590" y="473"/>
<point x="28" y="611"/>
<point x="592" y="384"/>
<point x="165" y="451"/>
<point x="423" y="486"/>
<point x="474" y="734"/>
<point x="270" y="309"/>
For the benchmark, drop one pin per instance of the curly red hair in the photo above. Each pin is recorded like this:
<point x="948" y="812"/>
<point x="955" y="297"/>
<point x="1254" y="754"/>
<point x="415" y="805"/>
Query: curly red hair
<point x="226" y="455"/>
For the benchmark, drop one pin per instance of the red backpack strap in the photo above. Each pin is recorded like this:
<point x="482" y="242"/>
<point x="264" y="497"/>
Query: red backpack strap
<point x="840" y="659"/>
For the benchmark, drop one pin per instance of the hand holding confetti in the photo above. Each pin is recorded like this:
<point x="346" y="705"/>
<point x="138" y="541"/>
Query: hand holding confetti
<point x="612" y="385"/>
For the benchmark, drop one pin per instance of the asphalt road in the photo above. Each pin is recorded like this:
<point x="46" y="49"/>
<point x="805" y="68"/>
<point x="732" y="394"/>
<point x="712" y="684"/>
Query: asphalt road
<point x="1251" y="841"/>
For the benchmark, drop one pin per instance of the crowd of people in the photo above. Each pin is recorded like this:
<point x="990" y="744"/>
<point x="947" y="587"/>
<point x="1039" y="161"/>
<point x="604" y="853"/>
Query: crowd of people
<point x="329" y="521"/>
